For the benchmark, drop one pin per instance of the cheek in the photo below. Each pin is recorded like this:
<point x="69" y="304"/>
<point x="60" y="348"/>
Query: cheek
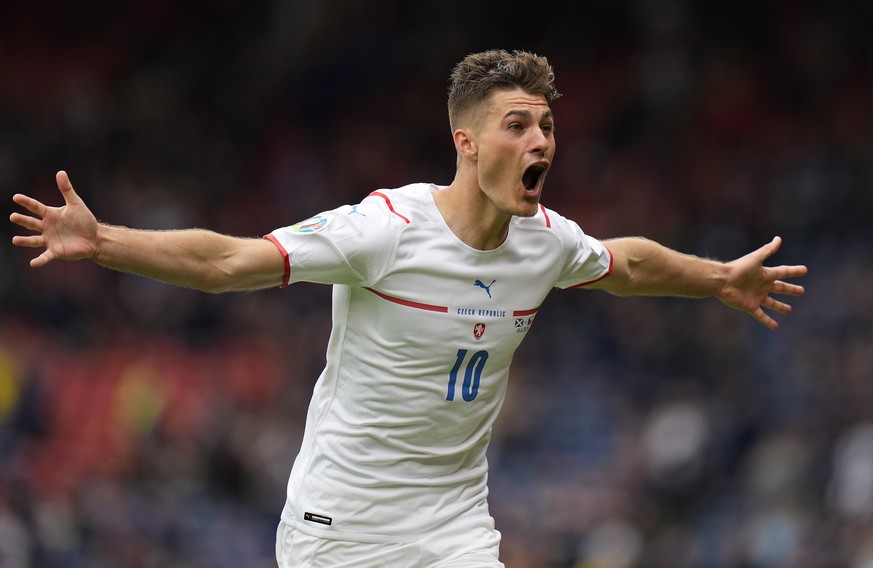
<point x="493" y="169"/>
<point x="494" y="160"/>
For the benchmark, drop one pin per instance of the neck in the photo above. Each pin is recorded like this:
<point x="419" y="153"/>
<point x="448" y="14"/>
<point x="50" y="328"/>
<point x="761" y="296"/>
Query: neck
<point x="471" y="216"/>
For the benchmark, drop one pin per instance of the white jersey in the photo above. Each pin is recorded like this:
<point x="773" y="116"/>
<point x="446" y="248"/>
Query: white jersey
<point x="424" y="330"/>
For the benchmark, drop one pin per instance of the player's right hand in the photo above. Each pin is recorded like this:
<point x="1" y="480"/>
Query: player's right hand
<point x="66" y="233"/>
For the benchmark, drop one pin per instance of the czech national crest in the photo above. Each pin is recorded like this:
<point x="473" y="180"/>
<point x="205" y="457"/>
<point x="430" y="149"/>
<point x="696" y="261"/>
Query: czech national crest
<point x="478" y="331"/>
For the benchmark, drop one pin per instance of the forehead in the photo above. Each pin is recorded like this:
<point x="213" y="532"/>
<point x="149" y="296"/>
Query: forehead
<point x="504" y="101"/>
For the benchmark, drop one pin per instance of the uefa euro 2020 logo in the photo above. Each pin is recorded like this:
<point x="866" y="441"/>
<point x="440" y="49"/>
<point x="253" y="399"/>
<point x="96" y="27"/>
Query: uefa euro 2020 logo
<point x="311" y="225"/>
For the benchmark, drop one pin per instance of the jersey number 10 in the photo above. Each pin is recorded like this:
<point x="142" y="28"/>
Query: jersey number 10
<point x="472" y="375"/>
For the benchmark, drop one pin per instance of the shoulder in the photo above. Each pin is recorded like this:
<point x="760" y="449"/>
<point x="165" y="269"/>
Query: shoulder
<point x="544" y="220"/>
<point x="553" y="220"/>
<point x="551" y="225"/>
<point x="584" y="259"/>
<point x="408" y="204"/>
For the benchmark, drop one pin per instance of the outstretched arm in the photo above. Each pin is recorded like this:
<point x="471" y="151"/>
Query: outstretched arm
<point x="644" y="268"/>
<point x="194" y="258"/>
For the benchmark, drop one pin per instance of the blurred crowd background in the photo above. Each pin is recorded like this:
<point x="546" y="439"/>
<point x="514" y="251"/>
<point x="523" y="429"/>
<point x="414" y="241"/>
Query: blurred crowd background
<point x="147" y="426"/>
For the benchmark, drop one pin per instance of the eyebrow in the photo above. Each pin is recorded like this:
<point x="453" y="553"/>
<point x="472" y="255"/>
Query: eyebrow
<point x="526" y="114"/>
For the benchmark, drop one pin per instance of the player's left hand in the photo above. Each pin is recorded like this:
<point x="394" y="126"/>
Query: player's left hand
<point x="750" y="284"/>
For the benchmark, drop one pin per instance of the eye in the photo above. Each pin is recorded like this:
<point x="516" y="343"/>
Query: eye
<point x="548" y="128"/>
<point x="516" y="126"/>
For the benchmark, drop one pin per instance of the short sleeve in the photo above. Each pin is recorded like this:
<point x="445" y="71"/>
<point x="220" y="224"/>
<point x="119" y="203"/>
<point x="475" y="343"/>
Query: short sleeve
<point x="586" y="259"/>
<point x="351" y="245"/>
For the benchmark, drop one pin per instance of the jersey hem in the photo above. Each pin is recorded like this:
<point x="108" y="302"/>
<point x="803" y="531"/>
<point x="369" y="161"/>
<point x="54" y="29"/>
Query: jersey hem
<point x="331" y="534"/>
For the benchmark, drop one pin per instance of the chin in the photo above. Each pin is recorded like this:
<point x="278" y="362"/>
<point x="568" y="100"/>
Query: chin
<point x="519" y="205"/>
<point x="526" y="210"/>
<point x="530" y="207"/>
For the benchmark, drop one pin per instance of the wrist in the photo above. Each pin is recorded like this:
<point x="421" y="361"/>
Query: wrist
<point x="720" y="278"/>
<point x="105" y="238"/>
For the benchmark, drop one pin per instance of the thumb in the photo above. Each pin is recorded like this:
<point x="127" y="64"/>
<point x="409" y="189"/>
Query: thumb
<point x="770" y="248"/>
<point x="67" y="191"/>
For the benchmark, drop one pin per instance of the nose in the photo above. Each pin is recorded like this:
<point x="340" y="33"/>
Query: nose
<point x="540" y="141"/>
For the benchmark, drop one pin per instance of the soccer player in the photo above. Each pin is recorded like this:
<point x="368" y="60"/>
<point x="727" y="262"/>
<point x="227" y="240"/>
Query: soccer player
<point x="433" y="290"/>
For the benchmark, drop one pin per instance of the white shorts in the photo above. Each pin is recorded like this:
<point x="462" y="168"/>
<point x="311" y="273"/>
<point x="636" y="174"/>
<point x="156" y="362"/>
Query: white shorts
<point x="467" y="542"/>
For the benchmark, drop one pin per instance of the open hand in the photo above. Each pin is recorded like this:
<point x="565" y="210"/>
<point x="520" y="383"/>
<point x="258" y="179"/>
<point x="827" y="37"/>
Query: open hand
<point x="66" y="233"/>
<point x="750" y="284"/>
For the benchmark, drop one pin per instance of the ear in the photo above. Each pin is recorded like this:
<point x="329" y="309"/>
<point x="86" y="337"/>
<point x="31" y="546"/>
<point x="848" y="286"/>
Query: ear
<point x="465" y="143"/>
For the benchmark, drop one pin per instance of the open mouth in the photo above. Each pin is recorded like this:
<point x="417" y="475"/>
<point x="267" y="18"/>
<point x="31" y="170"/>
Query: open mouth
<point x="532" y="176"/>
